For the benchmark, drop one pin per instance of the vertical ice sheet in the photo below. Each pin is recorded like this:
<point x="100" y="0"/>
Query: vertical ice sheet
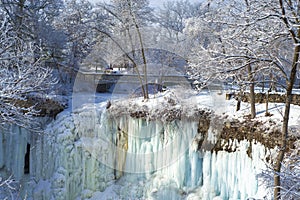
<point x="13" y="145"/>
<point x="2" y="148"/>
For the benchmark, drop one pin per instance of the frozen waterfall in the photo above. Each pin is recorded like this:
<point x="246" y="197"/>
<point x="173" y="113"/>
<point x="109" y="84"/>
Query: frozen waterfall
<point x="89" y="154"/>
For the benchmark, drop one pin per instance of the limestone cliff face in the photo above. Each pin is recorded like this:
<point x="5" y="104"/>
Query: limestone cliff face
<point x="83" y="153"/>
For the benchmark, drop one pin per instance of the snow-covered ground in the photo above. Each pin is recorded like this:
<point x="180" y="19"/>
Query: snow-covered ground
<point x="215" y="101"/>
<point x="189" y="99"/>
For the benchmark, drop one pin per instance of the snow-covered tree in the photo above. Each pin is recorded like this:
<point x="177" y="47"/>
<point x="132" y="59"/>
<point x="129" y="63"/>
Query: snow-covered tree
<point x="170" y="24"/>
<point x="171" y="17"/>
<point x="32" y="21"/>
<point x="22" y="74"/>
<point x="289" y="175"/>
<point x="237" y="43"/>
<point x="126" y="19"/>
<point x="288" y="13"/>
<point x="248" y="38"/>
<point x="75" y="20"/>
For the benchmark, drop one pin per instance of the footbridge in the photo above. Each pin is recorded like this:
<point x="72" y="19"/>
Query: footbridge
<point x="106" y="82"/>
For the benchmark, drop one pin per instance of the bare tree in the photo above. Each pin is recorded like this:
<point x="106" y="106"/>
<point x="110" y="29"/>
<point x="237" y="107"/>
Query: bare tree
<point x="290" y="16"/>
<point x="129" y="17"/>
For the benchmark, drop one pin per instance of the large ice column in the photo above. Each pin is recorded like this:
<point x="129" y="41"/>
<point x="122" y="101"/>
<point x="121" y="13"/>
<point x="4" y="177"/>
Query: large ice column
<point x="232" y="175"/>
<point x="185" y="160"/>
<point x="13" y="147"/>
<point x="67" y="158"/>
<point x="153" y="146"/>
<point x="196" y="163"/>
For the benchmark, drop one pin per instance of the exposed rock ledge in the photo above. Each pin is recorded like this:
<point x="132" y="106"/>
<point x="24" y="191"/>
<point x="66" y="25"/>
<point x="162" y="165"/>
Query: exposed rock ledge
<point x="272" y="98"/>
<point x="44" y="106"/>
<point x="267" y="132"/>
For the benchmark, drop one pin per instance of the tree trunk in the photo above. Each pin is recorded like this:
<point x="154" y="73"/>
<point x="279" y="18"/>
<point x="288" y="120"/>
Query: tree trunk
<point x="144" y="84"/>
<point x="238" y="104"/>
<point x="284" y="134"/>
<point x="239" y="99"/>
<point x="146" y="94"/>
<point x="263" y="84"/>
<point x="267" y="104"/>
<point x="252" y="93"/>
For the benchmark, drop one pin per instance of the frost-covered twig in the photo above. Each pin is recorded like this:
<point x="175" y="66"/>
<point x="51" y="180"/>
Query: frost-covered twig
<point x="8" y="187"/>
<point x="290" y="177"/>
<point x="7" y="182"/>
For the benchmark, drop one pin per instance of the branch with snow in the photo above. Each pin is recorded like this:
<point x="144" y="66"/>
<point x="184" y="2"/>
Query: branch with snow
<point x="8" y="186"/>
<point x="290" y="177"/>
<point x="23" y="74"/>
<point x="236" y="34"/>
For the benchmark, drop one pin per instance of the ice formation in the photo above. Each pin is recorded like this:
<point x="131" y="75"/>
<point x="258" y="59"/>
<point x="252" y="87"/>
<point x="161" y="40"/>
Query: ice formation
<point x="90" y="155"/>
